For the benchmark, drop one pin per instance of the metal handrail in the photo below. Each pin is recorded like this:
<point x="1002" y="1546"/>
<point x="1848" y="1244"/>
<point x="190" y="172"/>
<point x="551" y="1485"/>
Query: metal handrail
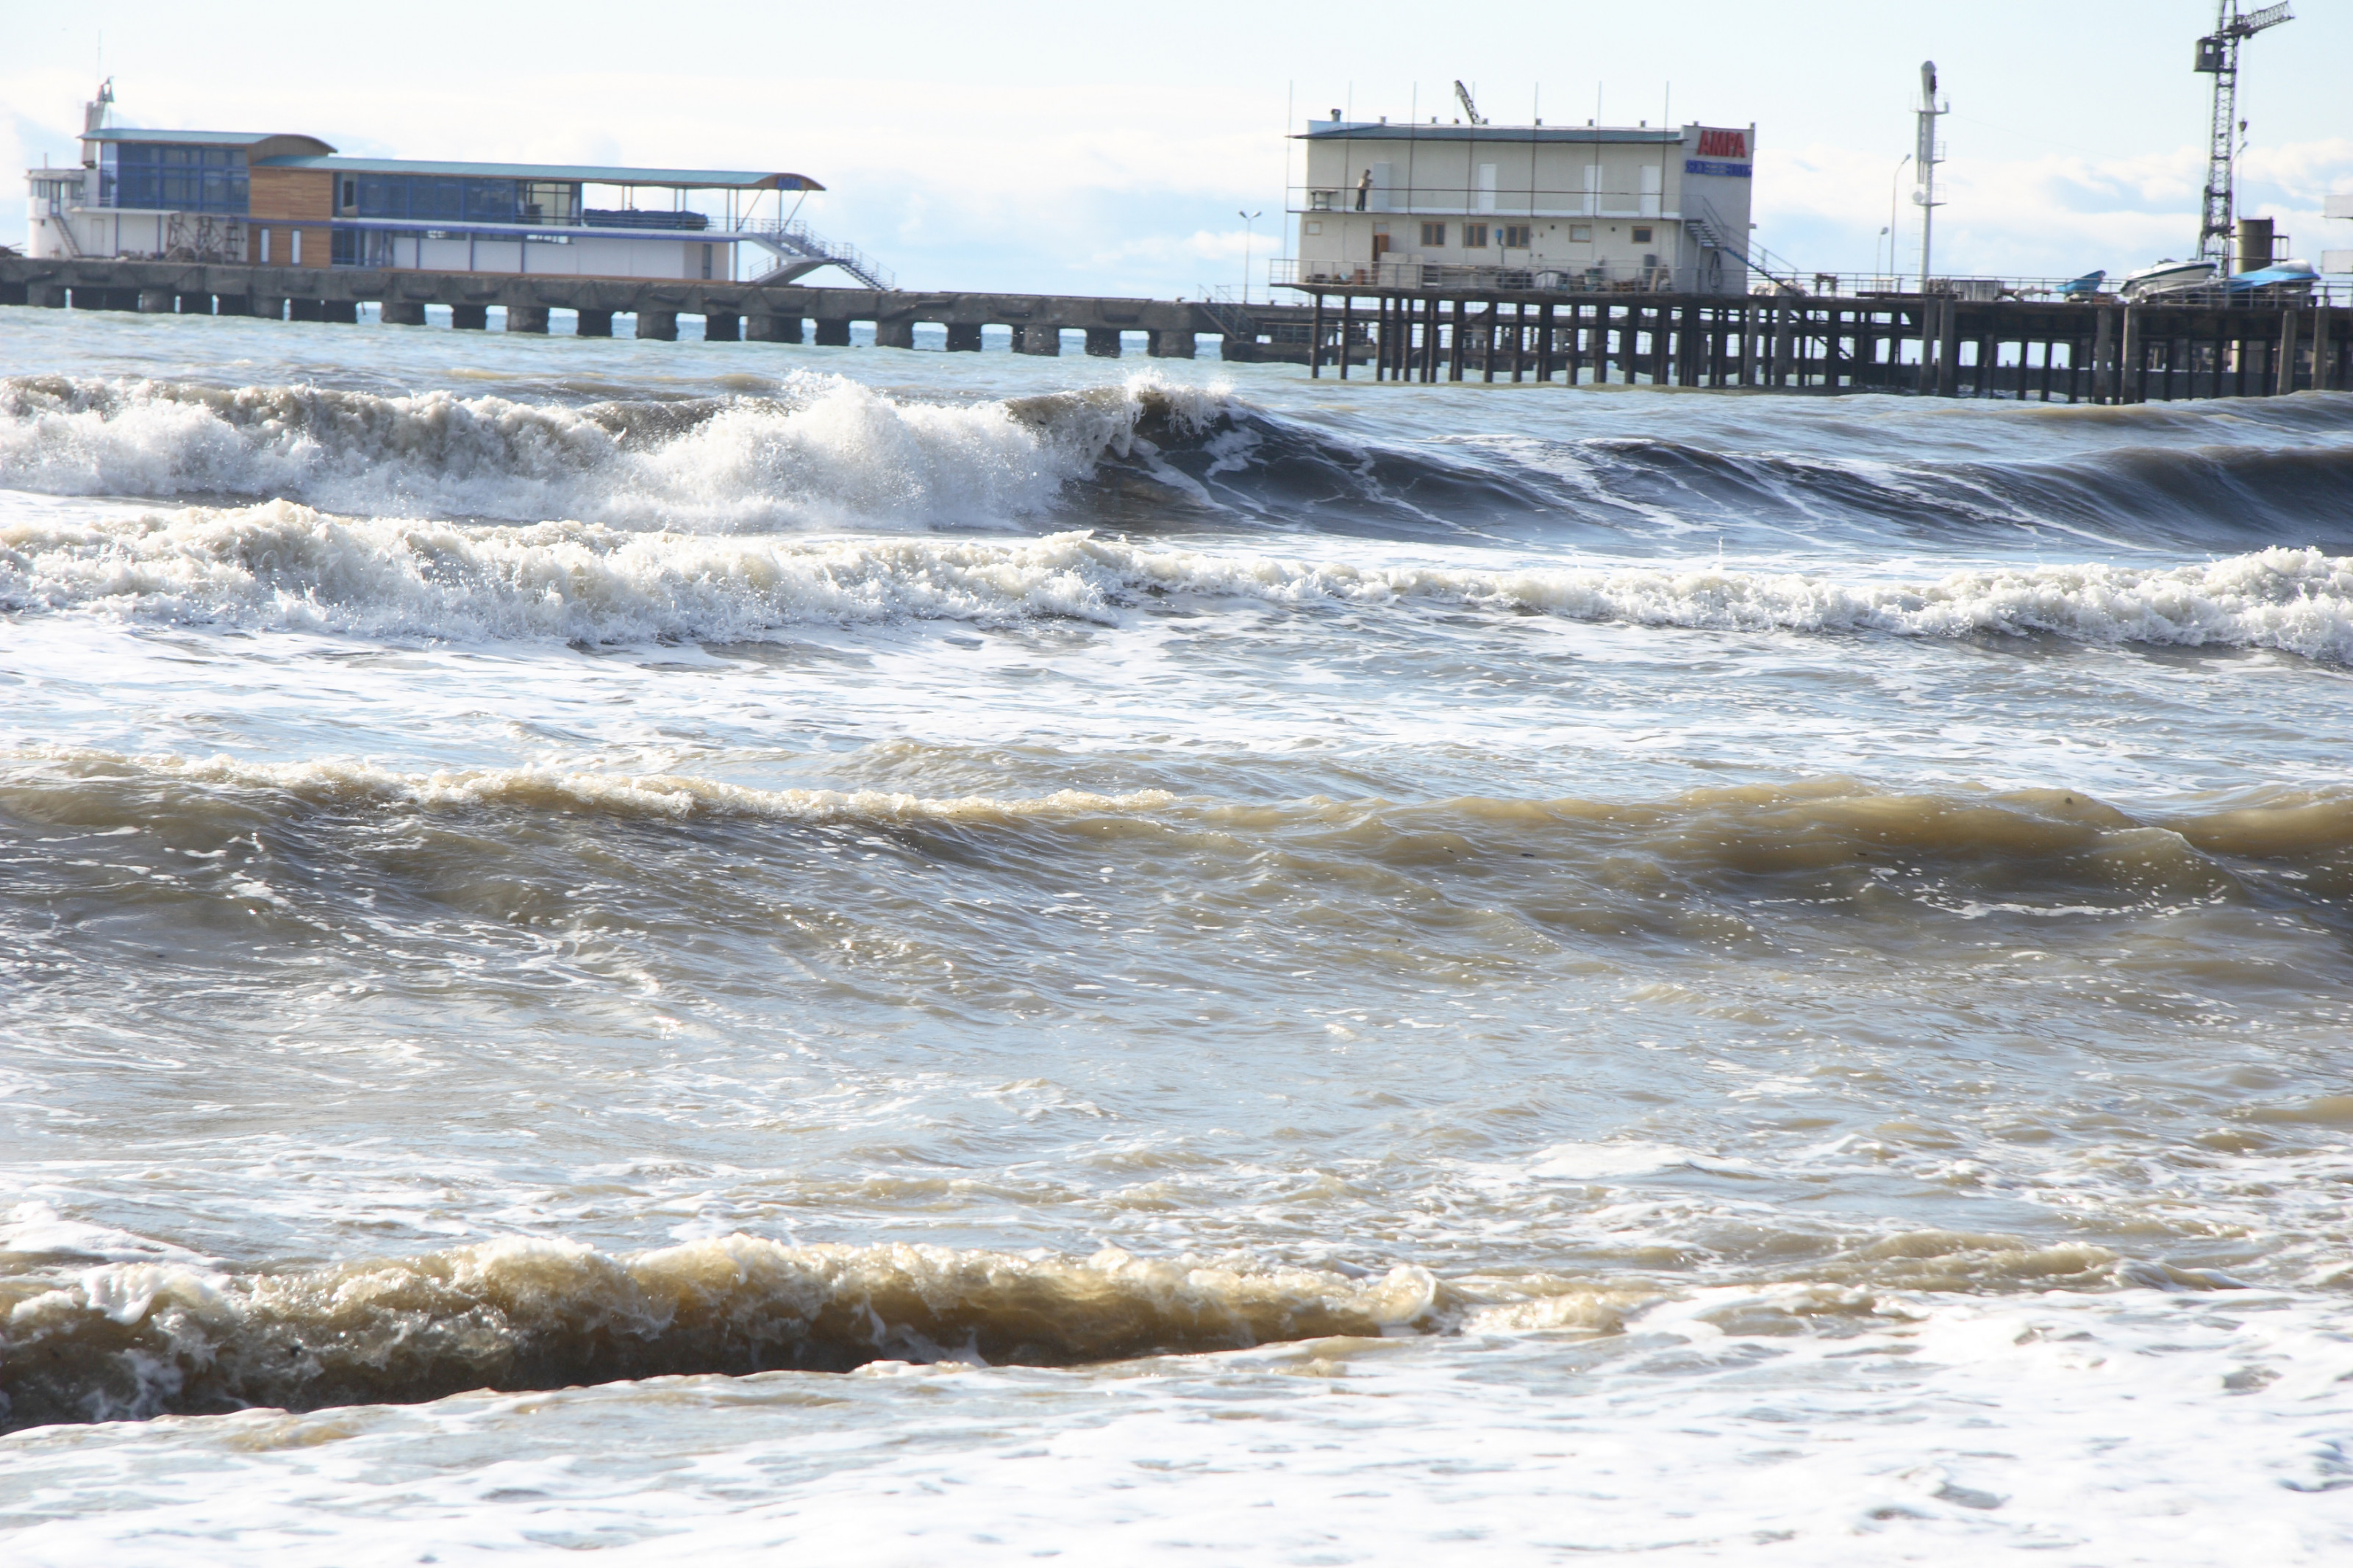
<point x="795" y="234"/>
<point x="1287" y="271"/>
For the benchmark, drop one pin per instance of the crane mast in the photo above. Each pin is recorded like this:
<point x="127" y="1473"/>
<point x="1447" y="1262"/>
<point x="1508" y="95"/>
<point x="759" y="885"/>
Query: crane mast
<point x="2218" y="56"/>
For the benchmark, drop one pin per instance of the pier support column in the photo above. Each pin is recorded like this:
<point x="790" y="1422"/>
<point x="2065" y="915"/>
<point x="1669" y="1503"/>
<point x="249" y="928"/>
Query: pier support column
<point x="1103" y="342"/>
<point x="267" y="308"/>
<point x="898" y="335"/>
<point x="2324" y="352"/>
<point x="403" y="314"/>
<point x="2289" y="332"/>
<point x="527" y="318"/>
<point x="2103" y="358"/>
<point x="155" y="302"/>
<point x="661" y="326"/>
<point x="832" y="334"/>
<point x="1038" y="340"/>
<point x="1949" y="349"/>
<point x="722" y="327"/>
<point x="773" y="329"/>
<point x="1167" y="343"/>
<point x="470" y="318"/>
<point x="594" y="324"/>
<point x="963" y="339"/>
<point x="2128" y="389"/>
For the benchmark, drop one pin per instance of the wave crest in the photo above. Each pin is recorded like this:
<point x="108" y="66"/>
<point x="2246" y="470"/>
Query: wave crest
<point x="823" y="450"/>
<point x="284" y="566"/>
<point x="127" y="1341"/>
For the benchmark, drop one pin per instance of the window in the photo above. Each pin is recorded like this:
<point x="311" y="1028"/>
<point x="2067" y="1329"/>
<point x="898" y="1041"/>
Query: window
<point x="1474" y="237"/>
<point x="706" y="261"/>
<point x="173" y="178"/>
<point x="551" y="201"/>
<point x="1433" y="235"/>
<point x="343" y="247"/>
<point x="1516" y="236"/>
<point x="1315" y="228"/>
<point x="1641" y="234"/>
<point x="1580" y="233"/>
<point x="347" y="194"/>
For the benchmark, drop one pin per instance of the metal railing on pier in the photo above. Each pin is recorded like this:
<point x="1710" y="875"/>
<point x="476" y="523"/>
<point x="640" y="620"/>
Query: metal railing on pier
<point x="795" y="237"/>
<point x="1289" y="272"/>
<point x="1386" y="276"/>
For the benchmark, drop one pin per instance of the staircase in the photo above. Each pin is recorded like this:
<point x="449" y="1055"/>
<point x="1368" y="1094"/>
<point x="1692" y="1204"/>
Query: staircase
<point x="1236" y="324"/>
<point x="800" y="249"/>
<point x="1709" y="231"/>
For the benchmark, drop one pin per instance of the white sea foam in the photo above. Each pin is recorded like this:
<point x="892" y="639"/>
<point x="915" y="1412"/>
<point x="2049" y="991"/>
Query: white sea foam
<point x="285" y="566"/>
<point x="2147" y="1428"/>
<point x="338" y="780"/>
<point x="823" y="451"/>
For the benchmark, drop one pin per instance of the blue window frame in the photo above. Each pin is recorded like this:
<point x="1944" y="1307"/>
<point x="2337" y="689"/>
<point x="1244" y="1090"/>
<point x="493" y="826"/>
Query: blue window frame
<point x="440" y="199"/>
<point x="174" y="176"/>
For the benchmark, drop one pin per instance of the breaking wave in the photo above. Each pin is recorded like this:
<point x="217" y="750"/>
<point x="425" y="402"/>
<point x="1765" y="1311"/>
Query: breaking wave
<point x="1835" y="839"/>
<point x="823" y="451"/>
<point x="131" y="1341"/>
<point x="286" y="567"/>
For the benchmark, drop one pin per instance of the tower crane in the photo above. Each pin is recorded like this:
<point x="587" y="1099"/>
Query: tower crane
<point x="2218" y="56"/>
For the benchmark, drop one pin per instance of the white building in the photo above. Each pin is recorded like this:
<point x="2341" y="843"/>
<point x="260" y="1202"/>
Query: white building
<point x="1522" y="205"/>
<point x="290" y="201"/>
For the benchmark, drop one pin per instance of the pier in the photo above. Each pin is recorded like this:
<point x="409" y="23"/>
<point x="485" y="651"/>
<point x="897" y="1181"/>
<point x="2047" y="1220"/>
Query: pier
<point x="729" y="311"/>
<point x="2097" y="351"/>
<point x="2200" y="346"/>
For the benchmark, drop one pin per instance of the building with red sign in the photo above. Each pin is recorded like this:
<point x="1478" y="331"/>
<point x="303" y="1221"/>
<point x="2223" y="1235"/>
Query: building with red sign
<point x="1426" y="205"/>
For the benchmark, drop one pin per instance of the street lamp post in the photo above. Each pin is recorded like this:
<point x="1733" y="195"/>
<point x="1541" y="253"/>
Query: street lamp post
<point x="1247" y="219"/>
<point x="1893" y="182"/>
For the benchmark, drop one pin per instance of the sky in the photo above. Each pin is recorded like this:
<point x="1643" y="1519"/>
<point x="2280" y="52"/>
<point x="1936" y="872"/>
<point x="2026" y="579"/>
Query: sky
<point x="1113" y="149"/>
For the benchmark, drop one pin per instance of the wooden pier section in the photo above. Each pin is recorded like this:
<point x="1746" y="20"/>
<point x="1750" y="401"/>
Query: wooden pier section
<point x="2097" y="351"/>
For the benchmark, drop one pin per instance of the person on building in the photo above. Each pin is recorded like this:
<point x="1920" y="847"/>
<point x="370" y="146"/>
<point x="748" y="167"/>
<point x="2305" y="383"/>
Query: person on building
<point x="1364" y="188"/>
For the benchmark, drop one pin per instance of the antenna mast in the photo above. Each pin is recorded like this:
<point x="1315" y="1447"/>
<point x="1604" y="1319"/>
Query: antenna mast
<point x="1924" y="159"/>
<point x="2217" y="57"/>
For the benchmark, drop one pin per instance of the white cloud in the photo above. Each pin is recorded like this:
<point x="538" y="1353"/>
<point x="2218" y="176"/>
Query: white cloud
<point x="2045" y="215"/>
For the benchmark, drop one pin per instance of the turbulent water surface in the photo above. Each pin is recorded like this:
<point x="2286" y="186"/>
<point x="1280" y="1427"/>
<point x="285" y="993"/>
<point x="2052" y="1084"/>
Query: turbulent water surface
<point x="697" y="949"/>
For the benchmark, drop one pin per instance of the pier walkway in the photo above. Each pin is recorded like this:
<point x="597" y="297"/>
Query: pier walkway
<point x="2101" y="351"/>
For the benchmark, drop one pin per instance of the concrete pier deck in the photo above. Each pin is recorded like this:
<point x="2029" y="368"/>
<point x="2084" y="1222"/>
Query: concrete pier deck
<point x="2099" y="351"/>
<point x="729" y="310"/>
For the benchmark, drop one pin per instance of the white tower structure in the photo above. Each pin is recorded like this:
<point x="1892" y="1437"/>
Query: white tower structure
<point x="1925" y="157"/>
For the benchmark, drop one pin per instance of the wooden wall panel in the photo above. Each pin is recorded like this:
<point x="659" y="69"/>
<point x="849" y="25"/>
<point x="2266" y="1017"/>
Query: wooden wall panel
<point x="276" y="195"/>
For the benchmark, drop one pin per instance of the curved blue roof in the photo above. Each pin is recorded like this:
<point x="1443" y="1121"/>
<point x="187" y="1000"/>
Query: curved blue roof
<point x="586" y="174"/>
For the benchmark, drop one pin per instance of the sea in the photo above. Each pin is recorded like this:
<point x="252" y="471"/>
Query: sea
<point x="703" y="951"/>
